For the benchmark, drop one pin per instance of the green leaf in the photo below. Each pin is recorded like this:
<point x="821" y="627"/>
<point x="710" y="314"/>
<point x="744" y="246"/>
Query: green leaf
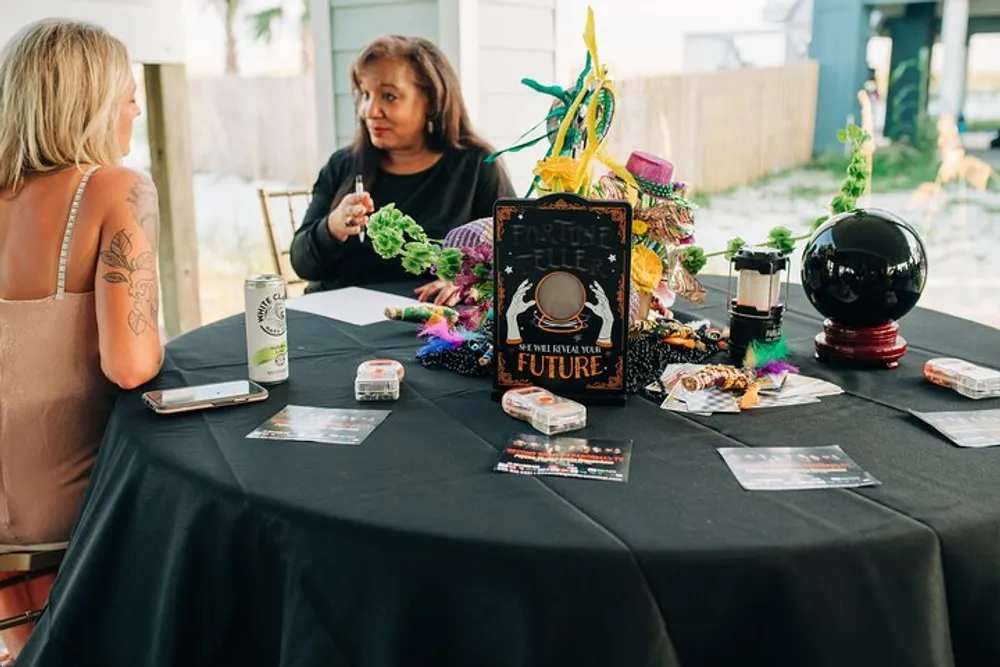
<point x="781" y="239"/>
<point x="262" y="23"/>
<point x="734" y="246"/>
<point x="419" y="251"/>
<point x="842" y="203"/>
<point x="854" y="190"/>
<point x="387" y="244"/>
<point x="449" y="263"/>
<point x="412" y="229"/>
<point x="693" y="259"/>
<point x="414" y="266"/>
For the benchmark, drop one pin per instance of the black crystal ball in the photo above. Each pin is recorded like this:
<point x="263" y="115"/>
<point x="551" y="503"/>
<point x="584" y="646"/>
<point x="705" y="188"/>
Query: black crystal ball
<point x="864" y="268"/>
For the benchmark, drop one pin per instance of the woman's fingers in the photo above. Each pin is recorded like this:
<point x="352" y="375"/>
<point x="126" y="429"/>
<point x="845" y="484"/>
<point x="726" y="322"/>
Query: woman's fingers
<point x="362" y="201"/>
<point x="425" y="292"/>
<point x="356" y="216"/>
<point x="448" y="296"/>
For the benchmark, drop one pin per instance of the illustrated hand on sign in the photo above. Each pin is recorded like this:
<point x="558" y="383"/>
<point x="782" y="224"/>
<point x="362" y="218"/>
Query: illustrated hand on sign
<point x="602" y="309"/>
<point x="518" y="305"/>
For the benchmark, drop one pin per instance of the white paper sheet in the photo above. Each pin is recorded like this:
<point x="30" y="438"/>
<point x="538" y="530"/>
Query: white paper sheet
<point x="354" y="305"/>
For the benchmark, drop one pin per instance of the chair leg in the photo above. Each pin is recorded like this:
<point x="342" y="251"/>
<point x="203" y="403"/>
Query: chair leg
<point x="21" y="619"/>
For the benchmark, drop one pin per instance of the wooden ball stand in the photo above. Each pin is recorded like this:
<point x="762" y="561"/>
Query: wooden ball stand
<point x="873" y="346"/>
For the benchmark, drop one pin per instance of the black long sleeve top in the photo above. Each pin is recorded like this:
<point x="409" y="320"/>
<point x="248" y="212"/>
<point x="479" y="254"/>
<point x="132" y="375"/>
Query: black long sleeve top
<point x="459" y="188"/>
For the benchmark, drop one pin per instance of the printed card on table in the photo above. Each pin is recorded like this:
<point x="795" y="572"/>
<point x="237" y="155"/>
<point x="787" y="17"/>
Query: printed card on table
<point x="563" y="456"/>
<point x="795" y="468"/>
<point x="323" y="425"/>
<point x="972" y="428"/>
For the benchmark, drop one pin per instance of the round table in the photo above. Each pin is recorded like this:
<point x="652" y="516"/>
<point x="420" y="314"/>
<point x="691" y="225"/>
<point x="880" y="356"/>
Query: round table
<point x="197" y="546"/>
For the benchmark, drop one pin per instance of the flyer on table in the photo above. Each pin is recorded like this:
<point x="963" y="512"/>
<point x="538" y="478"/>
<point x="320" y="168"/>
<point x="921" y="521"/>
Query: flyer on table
<point x="324" y="425"/>
<point x="562" y="456"/>
<point x="790" y="468"/>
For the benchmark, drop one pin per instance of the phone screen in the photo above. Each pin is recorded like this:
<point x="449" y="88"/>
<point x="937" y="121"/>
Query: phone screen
<point x="175" y="398"/>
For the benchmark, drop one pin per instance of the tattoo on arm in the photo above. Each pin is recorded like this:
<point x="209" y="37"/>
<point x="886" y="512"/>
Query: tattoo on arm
<point x="142" y="201"/>
<point x="139" y="274"/>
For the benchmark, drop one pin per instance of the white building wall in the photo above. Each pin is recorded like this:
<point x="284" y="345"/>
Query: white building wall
<point x="153" y="30"/>
<point x="517" y="39"/>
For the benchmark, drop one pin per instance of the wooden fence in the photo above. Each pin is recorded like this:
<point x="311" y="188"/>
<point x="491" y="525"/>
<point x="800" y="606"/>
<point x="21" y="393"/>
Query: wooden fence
<point x="260" y="128"/>
<point x="720" y="129"/>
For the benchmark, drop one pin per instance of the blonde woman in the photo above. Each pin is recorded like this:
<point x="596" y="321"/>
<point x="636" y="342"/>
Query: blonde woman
<point x="79" y="291"/>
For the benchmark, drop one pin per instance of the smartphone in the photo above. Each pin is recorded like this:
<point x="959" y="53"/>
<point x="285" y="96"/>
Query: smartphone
<point x="203" y="397"/>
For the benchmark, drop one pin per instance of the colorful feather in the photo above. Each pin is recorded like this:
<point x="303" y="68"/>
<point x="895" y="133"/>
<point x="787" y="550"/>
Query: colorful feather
<point x="760" y="354"/>
<point x="776" y="367"/>
<point x="439" y="328"/>
<point x="441" y="337"/>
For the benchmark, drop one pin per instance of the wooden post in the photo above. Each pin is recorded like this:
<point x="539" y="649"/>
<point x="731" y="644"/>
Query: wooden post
<point x="173" y="173"/>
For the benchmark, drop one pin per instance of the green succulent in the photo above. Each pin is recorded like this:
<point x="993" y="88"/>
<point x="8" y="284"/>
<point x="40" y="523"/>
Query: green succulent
<point x="449" y="263"/>
<point x="693" y="259"/>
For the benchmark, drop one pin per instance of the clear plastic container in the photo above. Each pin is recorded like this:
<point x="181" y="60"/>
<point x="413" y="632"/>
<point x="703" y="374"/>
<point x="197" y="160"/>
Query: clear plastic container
<point x="545" y="411"/>
<point x="378" y="380"/>
<point x="966" y="378"/>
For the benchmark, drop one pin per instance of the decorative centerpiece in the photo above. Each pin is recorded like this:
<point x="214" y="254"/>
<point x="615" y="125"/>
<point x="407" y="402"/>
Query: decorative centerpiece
<point x="663" y="223"/>
<point x="568" y="300"/>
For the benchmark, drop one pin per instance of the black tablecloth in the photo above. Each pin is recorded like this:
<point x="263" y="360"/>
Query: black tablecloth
<point x="196" y="546"/>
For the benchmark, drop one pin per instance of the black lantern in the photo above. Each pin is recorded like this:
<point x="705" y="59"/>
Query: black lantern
<point x="755" y="313"/>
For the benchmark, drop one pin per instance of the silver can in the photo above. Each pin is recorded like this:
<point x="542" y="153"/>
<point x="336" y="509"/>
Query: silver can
<point x="267" y="335"/>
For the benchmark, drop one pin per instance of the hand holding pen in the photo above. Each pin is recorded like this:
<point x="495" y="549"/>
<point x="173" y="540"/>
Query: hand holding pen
<point x="350" y="216"/>
<point x="359" y="189"/>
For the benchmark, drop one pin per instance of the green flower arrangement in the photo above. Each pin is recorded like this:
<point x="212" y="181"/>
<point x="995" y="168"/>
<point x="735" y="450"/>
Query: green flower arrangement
<point x="852" y="188"/>
<point x="395" y="234"/>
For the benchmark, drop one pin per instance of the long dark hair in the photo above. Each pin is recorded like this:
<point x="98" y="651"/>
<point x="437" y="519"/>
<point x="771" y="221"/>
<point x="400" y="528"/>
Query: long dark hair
<point x="450" y="128"/>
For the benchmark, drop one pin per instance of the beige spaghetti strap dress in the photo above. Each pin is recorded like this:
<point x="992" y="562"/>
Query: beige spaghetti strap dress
<point x="54" y="406"/>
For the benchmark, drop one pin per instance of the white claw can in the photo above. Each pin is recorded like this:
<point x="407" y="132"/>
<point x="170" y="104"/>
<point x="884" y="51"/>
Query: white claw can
<point x="267" y="334"/>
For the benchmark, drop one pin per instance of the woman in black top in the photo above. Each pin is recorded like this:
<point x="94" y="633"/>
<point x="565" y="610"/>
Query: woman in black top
<point x="414" y="147"/>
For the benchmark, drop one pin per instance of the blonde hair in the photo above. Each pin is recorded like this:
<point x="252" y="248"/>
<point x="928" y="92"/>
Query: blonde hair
<point x="61" y="83"/>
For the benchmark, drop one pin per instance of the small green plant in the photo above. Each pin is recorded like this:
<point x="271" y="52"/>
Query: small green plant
<point x="389" y="229"/>
<point x="858" y="174"/>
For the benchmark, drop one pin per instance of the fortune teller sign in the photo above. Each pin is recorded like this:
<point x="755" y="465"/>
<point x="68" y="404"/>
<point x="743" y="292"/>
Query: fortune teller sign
<point x="561" y="296"/>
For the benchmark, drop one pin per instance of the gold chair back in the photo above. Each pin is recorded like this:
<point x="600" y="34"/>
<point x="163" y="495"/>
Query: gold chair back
<point x="290" y="203"/>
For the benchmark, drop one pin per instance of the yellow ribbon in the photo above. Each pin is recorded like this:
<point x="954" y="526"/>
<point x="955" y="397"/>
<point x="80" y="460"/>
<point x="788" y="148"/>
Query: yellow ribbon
<point x="598" y="80"/>
<point x="595" y="81"/>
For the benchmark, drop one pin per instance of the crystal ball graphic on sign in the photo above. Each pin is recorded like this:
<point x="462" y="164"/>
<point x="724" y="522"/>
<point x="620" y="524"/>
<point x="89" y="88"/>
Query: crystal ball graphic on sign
<point x="863" y="270"/>
<point x="560" y="299"/>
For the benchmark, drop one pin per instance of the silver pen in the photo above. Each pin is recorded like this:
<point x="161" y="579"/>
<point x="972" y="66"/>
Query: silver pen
<point x="359" y="187"/>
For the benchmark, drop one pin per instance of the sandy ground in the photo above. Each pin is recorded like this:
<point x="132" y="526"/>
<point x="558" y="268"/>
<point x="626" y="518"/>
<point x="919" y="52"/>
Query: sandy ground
<point x="961" y="238"/>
